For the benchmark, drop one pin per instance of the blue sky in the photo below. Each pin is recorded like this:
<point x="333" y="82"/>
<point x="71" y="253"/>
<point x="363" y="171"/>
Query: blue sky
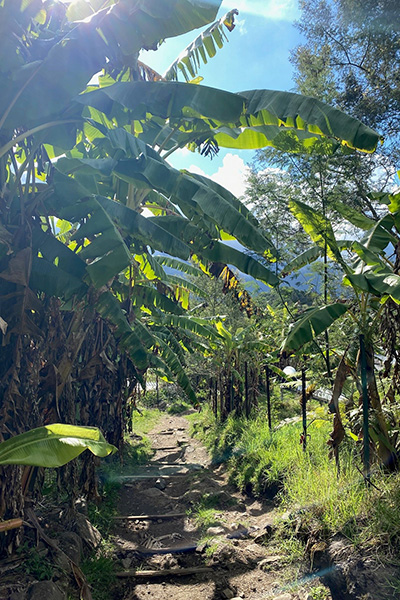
<point x="257" y="56"/>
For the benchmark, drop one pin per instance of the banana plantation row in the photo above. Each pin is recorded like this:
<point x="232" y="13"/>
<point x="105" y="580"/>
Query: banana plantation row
<point x="95" y="292"/>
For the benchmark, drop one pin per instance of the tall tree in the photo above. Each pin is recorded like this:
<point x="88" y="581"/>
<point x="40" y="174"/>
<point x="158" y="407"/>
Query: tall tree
<point x="351" y="59"/>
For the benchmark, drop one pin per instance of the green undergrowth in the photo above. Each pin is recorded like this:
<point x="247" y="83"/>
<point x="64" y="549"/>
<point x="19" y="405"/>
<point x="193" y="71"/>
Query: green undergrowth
<point x="178" y="407"/>
<point x="256" y="459"/>
<point x="34" y="563"/>
<point x="145" y="421"/>
<point x="205" y="512"/>
<point x="318" y="500"/>
<point x="101" y="513"/>
<point x="99" y="571"/>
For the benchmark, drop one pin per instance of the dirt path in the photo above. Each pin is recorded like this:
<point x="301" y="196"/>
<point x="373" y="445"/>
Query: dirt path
<point x="178" y="477"/>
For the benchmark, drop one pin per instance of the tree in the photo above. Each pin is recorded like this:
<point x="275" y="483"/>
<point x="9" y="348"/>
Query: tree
<point x="351" y="60"/>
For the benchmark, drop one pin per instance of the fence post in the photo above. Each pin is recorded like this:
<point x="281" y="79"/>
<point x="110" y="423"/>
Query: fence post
<point x="268" y="390"/>
<point x="365" y="401"/>
<point x="246" y="390"/>
<point x="303" y="408"/>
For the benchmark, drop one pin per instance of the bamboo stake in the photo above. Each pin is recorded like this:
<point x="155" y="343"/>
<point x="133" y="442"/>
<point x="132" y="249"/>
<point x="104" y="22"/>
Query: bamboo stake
<point x="246" y="391"/>
<point x="10" y="524"/>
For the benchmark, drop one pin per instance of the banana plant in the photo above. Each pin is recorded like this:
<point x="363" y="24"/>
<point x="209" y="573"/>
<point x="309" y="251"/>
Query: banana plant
<point x="375" y="284"/>
<point x="232" y="350"/>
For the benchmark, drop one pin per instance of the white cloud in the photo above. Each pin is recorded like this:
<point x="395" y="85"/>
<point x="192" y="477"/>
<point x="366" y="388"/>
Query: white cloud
<point x="182" y="152"/>
<point x="241" y="26"/>
<point x="285" y="10"/>
<point x="232" y="174"/>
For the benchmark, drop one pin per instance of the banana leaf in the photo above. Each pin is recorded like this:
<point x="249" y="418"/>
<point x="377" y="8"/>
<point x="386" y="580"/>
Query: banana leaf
<point x="246" y="116"/>
<point x="53" y="445"/>
<point x="190" y="59"/>
<point x="314" y="322"/>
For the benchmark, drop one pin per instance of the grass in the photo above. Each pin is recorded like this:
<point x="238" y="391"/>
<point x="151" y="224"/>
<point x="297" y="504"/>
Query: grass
<point x="205" y="513"/>
<point x="145" y="422"/>
<point x="256" y="458"/>
<point x="179" y="407"/>
<point x="136" y="451"/>
<point x="99" y="571"/>
<point x="321" y="502"/>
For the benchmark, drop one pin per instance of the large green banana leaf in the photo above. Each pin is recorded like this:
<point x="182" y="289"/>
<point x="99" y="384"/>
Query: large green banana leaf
<point x="246" y="263"/>
<point x="149" y="297"/>
<point x="165" y="99"/>
<point x="137" y="24"/>
<point x="184" y="267"/>
<point x="354" y="216"/>
<point x="378" y="284"/>
<point x="379" y="236"/>
<point x="305" y="258"/>
<point x="366" y="256"/>
<point x="318" y="227"/>
<point x="193" y="324"/>
<point x="314" y="322"/>
<point x="185" y="190"/>
<point x="246" y="110"/>
<point x="175" y="366"/>
<point x="180" y="282"/>
<point x="270" y="107"/>
<point x="53" y="445"/>
<point x="194" y="194"/>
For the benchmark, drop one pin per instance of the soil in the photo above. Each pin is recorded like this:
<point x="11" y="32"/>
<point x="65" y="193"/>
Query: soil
<point x="239" y="562"/>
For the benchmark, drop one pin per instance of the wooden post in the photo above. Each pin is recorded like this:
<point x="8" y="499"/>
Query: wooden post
<point x="303" y="407"/>
<point x="365" y="401"/>
<point x="268" y="390"/>
<point x="231" y="393"/>
<point x="222" y="414"/>
<point x="246" y="391"/>
<point x="255" y="384"/>
<point x="157" y="391"/>
<point x="216" y="398"/>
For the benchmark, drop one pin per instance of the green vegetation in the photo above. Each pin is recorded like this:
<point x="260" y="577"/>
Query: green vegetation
<point x="100" y="575"/>
<point x="205" y="512"/>
<point x="136" y="448"/>
<point x="35" y="564"/>
<point x="90" y="309"/>
<point x="317" y="500"/>
<point x="145" y="421"/>
<point x="101" y="513"/>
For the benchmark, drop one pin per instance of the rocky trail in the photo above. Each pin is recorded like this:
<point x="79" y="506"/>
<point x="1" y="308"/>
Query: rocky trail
<point x="163" y="551"/>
